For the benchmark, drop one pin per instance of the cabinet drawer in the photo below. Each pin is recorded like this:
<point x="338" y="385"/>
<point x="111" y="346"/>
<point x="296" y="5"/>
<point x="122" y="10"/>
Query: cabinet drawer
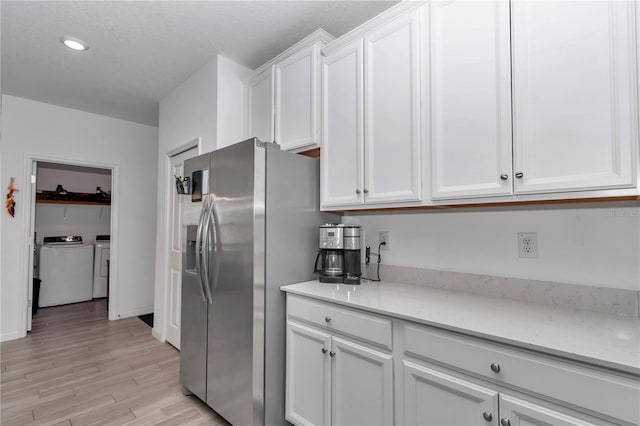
<point x="362" y="326"/>
<point x="601" y="392"/>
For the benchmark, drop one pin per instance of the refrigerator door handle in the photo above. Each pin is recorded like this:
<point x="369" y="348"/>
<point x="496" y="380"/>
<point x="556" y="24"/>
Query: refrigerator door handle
<point x="199" y="251"/>
<point x="216" y="245"/>
<point x="207" y="240"/>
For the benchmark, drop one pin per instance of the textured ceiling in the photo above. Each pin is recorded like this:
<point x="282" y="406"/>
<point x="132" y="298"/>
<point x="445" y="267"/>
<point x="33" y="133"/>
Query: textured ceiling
<point x="141" y="50"/>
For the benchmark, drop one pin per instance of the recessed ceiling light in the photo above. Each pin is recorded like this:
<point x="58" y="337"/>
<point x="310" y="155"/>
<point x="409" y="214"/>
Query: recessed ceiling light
<point x="74" y="43"/>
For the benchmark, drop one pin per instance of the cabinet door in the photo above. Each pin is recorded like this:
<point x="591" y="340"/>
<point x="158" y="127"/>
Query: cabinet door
<point x="260" y="106"/>
<point x="515" y="412"/>
<point x="308" y="376"/>
<point x="435" y="398"/>
<point x="470" y="99"/>
<point x="296" y="114"/>
<point x="361" y="385"/>
<point x="575" y="100"/>
<point x="342" y="138"/>
<point x="392" y="108"/>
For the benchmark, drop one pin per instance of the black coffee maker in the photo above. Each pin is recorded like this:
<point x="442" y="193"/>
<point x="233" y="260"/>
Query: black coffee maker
<point x="339" y="254"/>
<point x="352" y="255"/>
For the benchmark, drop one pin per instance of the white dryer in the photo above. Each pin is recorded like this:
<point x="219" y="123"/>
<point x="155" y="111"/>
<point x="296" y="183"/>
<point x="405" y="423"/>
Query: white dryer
<point x="101" y="266"/>
<point x="66" y="271"/>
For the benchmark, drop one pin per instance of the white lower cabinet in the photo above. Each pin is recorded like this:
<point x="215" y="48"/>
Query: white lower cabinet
<point x="308" y="376"/>
<point x="351" y="367"/>
<point x="516" y="412"/>
<point x="331" y="380"/>
<point x="432" y="397"/>
<point x="361" y="385"/>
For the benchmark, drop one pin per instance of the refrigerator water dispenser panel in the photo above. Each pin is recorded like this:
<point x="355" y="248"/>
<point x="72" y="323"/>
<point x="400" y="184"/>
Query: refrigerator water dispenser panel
<point x="190" y="258"/>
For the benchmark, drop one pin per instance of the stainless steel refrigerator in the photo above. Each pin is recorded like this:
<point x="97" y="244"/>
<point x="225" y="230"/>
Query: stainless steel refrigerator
<point x="251" y="226"/>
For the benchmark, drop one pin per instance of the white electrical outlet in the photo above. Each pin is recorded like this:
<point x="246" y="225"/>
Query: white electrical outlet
<point x="384" y="238"/>
<point x="528" y="244"/>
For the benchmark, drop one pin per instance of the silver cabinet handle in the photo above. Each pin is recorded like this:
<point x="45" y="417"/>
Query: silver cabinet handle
<point x="366" y="191"/>
<point x="358" y="191"/>
<point x="504" y="176"/>
<point x="487" y="416"/>
<point x="324" y="350"/>
<point x="327" y="319"/>
<point x="495" y="367"/>
<point x="505" y="422"/>
<point x="519" y="175"/>
<point x="332" y="354"/>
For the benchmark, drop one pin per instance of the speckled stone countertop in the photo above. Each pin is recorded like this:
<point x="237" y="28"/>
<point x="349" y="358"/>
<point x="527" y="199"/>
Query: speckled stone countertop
<point x="607" y="340"/>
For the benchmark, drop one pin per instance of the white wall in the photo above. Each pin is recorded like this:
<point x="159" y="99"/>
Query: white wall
<point x="72" y="180"/>
<point x="231" y="111"/>
<point x="56" y="133"/>
<point x="188" y="112"/>
<point x="595" y="245"/>
<point x="209" y="105"/>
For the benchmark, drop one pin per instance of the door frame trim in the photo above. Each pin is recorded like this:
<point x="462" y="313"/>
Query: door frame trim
<point x="29" y="229"/>
<point x="159" y="330"/>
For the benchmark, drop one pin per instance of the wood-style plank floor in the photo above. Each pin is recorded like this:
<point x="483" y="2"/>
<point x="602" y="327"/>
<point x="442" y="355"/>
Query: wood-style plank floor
<point x="78" y="368"/>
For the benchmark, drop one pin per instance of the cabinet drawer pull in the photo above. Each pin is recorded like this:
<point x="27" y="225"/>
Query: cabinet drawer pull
<point x="366" y="191"/>
<point x="324" y="350"/>
<point x="487" y="416"/>
<point x="505" y="422"/>
<point x="519" y="175"/>
<point x="504" y="177"/>
<point x="495" y="367"/>
<point x="332" y="354"/>
<point x="358" y="191"/>
<point x="327" y="319"/>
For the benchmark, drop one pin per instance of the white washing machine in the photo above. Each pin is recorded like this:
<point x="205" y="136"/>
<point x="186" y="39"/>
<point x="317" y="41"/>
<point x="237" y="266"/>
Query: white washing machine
<point x="66" y="271"/>
<point x="100" y="266"/>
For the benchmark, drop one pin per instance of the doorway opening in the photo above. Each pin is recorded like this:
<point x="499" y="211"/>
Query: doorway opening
<point x="71" y="232"/>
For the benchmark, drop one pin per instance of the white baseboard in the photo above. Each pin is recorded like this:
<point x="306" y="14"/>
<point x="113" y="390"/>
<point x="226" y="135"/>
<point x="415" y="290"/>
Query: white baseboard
<point x="134" y="313"/>
<point x="11" y="336"/>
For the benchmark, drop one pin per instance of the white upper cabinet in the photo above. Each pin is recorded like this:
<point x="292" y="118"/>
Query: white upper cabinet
<point x="470" y="99"/>
<point x="296" y="112"/>
<point x="283" y="100"/>
<point x="371" y="142"/>
<point x="341" y="160"/>
<point x="575" y="95"/>
<point x="259" y="98"/>
<point x="392" y="111"/>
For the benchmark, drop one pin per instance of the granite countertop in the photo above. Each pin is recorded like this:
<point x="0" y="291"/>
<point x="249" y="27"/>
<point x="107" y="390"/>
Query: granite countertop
<point x="607" y="340"/>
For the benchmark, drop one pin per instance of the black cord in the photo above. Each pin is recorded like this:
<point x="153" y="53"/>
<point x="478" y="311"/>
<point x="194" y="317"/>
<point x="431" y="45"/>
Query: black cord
<point x="379" y="260"/>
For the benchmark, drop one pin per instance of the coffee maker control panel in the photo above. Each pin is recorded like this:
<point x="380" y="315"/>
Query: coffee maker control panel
<point x="331" y="237"/>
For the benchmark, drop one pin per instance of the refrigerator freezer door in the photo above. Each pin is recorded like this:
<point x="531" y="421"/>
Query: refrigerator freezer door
<point x="193" y="320"/>
<point x="193" y="312"/>
<point x="230" y="355"/>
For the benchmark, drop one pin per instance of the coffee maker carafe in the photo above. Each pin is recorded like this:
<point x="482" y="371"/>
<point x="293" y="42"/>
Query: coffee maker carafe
<point x="331" y="254"/>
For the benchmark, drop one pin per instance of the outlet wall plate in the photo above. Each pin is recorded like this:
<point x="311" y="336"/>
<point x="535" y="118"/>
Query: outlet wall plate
<point x="528" y="244"/>
<point x="384" y="237"/>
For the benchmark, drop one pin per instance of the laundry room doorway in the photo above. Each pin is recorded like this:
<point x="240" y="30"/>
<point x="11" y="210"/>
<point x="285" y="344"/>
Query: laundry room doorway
<point x="71" y="232"/>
